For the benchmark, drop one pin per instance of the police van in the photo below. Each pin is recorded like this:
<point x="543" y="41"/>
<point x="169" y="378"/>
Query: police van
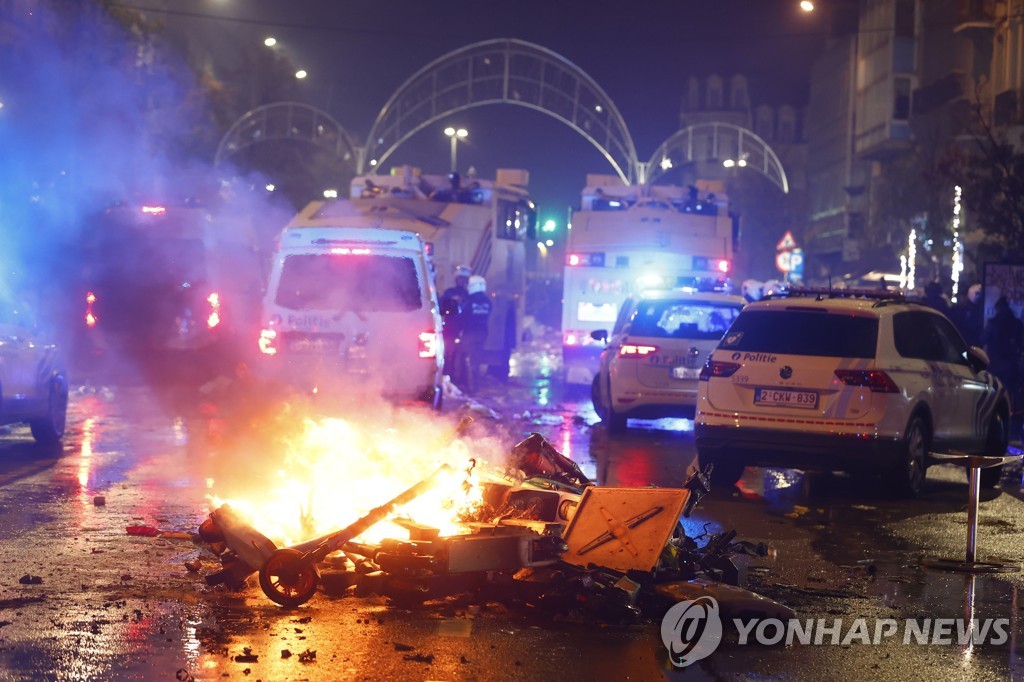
<point x="353" y="308"/>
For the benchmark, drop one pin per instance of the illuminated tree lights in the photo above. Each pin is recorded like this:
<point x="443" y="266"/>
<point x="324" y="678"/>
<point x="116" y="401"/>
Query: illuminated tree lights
<point x="907" y="263"/>
<point x="958" y="254"/>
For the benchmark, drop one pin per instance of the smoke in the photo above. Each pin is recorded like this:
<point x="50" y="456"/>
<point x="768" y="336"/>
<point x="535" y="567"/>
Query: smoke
<point x="97" y="108"/>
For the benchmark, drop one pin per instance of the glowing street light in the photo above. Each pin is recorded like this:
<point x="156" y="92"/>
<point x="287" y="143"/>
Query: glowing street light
<point x="455" y="136"/>
<point x="300" y="74"/>
<point x="270" y="41"/>
<point x="807" y="5"/>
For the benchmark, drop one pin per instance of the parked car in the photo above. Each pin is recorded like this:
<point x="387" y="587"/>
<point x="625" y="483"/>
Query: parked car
<point x="831" y="380"/>
<point x="33" y="380"/>
<point x="650" y="365"/>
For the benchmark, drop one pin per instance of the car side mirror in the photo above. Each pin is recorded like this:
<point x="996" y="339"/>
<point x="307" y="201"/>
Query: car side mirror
<point x="977" y="358"/>
<point x="600" y="335"/>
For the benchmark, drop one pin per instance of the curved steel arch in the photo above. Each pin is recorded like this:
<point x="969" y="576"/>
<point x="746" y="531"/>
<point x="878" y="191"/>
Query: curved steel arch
<point x="507" y="71"/>
<point x="288" y="121"/>
<point x="717" y="142"/>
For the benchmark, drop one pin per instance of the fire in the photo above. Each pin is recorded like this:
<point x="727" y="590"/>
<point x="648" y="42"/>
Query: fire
<point x="335" y="471"/>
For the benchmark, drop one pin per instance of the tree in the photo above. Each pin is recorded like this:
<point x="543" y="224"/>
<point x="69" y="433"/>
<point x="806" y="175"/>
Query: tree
<point x="989" y="168"/>
<point x="993" y="191"/>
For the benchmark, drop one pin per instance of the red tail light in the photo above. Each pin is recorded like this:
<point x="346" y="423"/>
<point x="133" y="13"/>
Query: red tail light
<point x="877" y="380"/>
<point x="213" y="319"/>
<point x="268" y="341"/>
<point x="634" y="351"/>
<point x="716" y="368"/>
<point x="90" y="318"/>
<point x="723" y="266"/>
<point x="571" y="339"/>
<point x="428" y="345"/>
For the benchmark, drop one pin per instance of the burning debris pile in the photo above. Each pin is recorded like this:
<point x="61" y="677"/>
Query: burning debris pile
<point x="538" y="533"/>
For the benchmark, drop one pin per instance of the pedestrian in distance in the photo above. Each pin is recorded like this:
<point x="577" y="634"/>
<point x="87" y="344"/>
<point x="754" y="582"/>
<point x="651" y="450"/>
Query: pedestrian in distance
<point x="969" y="316"/>
<point x="452" y="301"/>
<point x="933" y="298"/>
<point x="1003" y="338"/>
<point x="475" y="320"/>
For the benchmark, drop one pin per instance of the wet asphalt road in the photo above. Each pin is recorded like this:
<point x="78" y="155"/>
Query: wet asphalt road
<point x="116" y="606"/>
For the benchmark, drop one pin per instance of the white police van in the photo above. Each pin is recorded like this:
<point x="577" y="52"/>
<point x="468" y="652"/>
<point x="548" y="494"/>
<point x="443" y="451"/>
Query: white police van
<point x="353" y="309"/>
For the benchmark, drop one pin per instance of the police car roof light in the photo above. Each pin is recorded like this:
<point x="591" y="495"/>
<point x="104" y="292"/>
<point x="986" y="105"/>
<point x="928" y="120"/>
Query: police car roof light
<point x="823" y="292"/>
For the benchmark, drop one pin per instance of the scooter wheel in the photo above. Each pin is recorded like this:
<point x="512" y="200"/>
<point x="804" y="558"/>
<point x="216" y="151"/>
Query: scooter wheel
<point x="287" y="579"/>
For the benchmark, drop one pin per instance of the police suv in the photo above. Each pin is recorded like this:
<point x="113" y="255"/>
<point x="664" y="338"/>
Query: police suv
<point x="855" y="381"/>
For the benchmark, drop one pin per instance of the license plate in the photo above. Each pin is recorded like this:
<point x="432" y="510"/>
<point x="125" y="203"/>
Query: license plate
<point x="779" y="397"/>
<point x="313" y="346"/>
<point x="685" y="373"/>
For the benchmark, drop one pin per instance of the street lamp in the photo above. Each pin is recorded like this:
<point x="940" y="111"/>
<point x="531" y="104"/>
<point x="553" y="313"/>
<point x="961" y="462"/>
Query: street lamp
<point x="455" y="136"/>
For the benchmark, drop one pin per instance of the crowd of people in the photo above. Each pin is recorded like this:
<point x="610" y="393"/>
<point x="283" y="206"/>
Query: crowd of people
<point x="1001" y="335"/>
<point x="466" y="312"/>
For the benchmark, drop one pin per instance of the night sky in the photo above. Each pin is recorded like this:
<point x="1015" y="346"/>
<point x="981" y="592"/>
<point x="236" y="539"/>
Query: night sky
<point x="640" y="53"/>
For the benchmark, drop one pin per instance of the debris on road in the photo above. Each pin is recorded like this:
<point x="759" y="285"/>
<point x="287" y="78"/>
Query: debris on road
<point x="154" y="532"/>
<point x="543" y="537"/>
<point x="30" y="579"/>
<point x="143" y="531"/>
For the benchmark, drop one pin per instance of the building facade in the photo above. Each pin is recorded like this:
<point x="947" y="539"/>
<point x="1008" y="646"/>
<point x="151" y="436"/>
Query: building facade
<point x="901" y="87"/>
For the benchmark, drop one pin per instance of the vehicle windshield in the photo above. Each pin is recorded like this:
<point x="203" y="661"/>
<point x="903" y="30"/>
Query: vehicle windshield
<point x="793" y="332"/>
<point x="360" y="283"/>
<point x="148" y="262"/>
<point x="682" y="319"/>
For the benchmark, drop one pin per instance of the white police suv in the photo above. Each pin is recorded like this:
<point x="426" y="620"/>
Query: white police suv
<point x="650" y="366"/>
<point x="841" y="380"/>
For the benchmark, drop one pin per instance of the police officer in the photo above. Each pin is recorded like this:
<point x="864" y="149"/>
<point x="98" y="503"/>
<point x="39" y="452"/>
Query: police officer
<point x="476" y="315"/>
<point x="969" y="316"/>
<point x="452" y="301"/>
<point x="1003" y="338"/>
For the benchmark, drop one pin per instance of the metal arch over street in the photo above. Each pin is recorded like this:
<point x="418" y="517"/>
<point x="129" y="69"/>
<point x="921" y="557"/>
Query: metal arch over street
<point x="718" y="142"/>
<point x="288" y="121"/>
<point x="503" y="71"/>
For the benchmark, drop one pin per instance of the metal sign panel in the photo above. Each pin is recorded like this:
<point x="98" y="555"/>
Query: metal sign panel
<point x="623" y="528"/>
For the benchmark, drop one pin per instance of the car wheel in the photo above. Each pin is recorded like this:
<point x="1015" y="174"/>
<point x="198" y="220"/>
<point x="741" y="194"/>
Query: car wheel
<point x="913" y="466"/>
<point x="50" y="429"/>
<point x="995" y="445"/>
<point x="725" y="472"/>
<point x="595" y="397"/>
<point x="616" y="422"/>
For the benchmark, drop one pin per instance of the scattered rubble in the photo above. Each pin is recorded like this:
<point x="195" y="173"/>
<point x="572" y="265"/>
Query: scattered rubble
<point x="545" y="538"/>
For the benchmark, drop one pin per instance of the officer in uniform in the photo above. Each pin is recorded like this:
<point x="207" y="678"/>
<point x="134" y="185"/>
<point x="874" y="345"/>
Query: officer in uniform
<point x="476" y="315"/>
<point x="452" y="301"/>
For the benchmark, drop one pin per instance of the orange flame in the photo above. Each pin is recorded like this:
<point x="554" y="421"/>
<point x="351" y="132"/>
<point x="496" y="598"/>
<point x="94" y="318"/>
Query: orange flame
<point x="335" y="471"/>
